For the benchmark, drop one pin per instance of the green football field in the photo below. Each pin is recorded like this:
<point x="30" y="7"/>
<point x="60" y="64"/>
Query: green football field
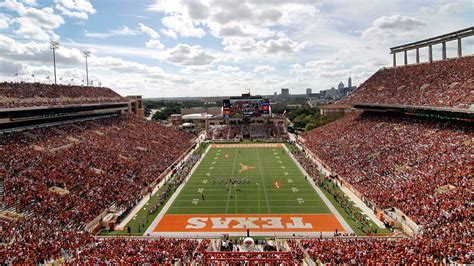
<point x="248" y="180"/>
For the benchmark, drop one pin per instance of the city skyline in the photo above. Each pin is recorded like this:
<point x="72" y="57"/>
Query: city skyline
<point x="217" y="48"/>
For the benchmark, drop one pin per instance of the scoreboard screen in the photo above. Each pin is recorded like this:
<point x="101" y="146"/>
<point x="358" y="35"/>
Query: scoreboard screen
<point x="245" y="108"/>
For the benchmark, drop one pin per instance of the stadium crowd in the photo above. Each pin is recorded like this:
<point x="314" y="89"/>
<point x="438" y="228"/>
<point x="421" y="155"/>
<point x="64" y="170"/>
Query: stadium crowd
<point x="421" y="166"/>
<point x="56" y="192"/>
<point x="446" y="83"/>
<point x="131" y="251"/>
<point x="38" y="94"/>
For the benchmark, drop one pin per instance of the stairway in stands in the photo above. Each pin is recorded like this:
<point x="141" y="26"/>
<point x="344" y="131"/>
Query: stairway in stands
<point x="12" y="208"/>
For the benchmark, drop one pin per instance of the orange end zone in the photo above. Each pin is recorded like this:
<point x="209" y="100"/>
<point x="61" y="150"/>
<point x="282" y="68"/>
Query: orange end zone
<point x="254" y="222"/>
<point x="256" y="145"/>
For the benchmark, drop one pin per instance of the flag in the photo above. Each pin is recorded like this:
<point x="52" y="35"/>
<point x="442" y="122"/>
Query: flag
<point x="284" y="114"/>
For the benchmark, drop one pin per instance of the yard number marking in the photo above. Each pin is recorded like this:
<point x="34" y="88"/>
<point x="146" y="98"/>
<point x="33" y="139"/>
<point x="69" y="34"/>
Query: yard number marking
<point x="294" y="189"/>
<point x="195" y="201"/>
<point x="300" y="200"/>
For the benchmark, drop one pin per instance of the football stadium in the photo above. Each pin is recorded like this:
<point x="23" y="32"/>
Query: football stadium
<point x="86" y="178"/>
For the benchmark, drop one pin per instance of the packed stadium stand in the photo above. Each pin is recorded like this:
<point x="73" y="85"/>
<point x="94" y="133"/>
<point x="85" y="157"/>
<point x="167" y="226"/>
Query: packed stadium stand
<point x="56" y="179"/>
<point x="37" y="94"/>
<point x="440" y="84"/>
<point x="420" y="163"/>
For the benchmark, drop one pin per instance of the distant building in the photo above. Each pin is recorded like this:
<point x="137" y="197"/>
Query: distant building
<point x="340" y="92"/>
<point x="309" y="91"/>
<point x="332" y="93"/>
<point x="285" y="92"/>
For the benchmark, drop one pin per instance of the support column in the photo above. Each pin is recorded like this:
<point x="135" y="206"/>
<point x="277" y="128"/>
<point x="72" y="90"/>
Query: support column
<point x="405" y="57"/>
<point x="430" y="53"/>
<point x="459" y="48"/>
<point x="443" y="52"/>
<point x="417" y="55"/>
<point x="394" y="59"/>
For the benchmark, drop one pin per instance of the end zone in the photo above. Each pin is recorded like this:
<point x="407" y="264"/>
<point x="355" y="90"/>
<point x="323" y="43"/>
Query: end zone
<point x="237" y="224"/>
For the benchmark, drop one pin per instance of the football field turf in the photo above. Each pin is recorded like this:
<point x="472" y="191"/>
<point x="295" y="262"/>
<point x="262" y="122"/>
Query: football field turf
<point x="240" y="181"/>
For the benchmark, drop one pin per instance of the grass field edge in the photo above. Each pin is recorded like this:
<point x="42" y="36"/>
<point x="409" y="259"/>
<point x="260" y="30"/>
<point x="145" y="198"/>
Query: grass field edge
<point x="321" y="194"/>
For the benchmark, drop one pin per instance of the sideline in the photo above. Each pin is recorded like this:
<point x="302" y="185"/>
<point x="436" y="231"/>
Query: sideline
<point x="357" y="201"/>
<point x="322" y="195"/>
<point x="157" y="187"/>
<point x="173" y="197"/>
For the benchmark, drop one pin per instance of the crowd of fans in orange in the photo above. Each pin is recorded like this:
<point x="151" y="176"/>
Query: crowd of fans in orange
<point x="131" y="251"/>
<point x="38" y="94"/>
<point x="445" y="83"/>
<point x="421" y="166"/>
<point x="96" y="164"/>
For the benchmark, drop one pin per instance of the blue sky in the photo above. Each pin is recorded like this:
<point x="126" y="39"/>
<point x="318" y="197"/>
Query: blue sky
<point x="166" y="48"/>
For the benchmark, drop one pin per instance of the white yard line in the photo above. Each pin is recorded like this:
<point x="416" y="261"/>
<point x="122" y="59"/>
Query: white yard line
<point x="229" y="185"/>
<point x="322" y="196"/>
<point x="263" y="181"/>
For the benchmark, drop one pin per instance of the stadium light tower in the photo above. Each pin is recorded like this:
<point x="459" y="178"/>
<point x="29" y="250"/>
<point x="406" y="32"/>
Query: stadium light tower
<point x="54" y="45"/>
<point x="86" y="55"/>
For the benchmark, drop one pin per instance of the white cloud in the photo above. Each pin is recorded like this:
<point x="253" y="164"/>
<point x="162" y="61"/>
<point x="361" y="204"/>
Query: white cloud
<point x="4" y="21"/>
<point x="223" y="68"/>
<point x="445" y="9"/>
<point x="122" y="31"/>
<point x="390" y="27"/>
<point x="75" y="8"/>
<point x="184" y="54"/>
<point x="154" y="44"/>
<point x="34" y="23"/>
<point x="242" y="25"/>
<point x="264" y="69"/>
<point x="281" y="45"/>
<point x="180" y="24"/>
<point x="151" y="32"/>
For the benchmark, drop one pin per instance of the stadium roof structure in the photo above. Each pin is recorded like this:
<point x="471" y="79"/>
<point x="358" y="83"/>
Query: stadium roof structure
<point x="440" y="39"/>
